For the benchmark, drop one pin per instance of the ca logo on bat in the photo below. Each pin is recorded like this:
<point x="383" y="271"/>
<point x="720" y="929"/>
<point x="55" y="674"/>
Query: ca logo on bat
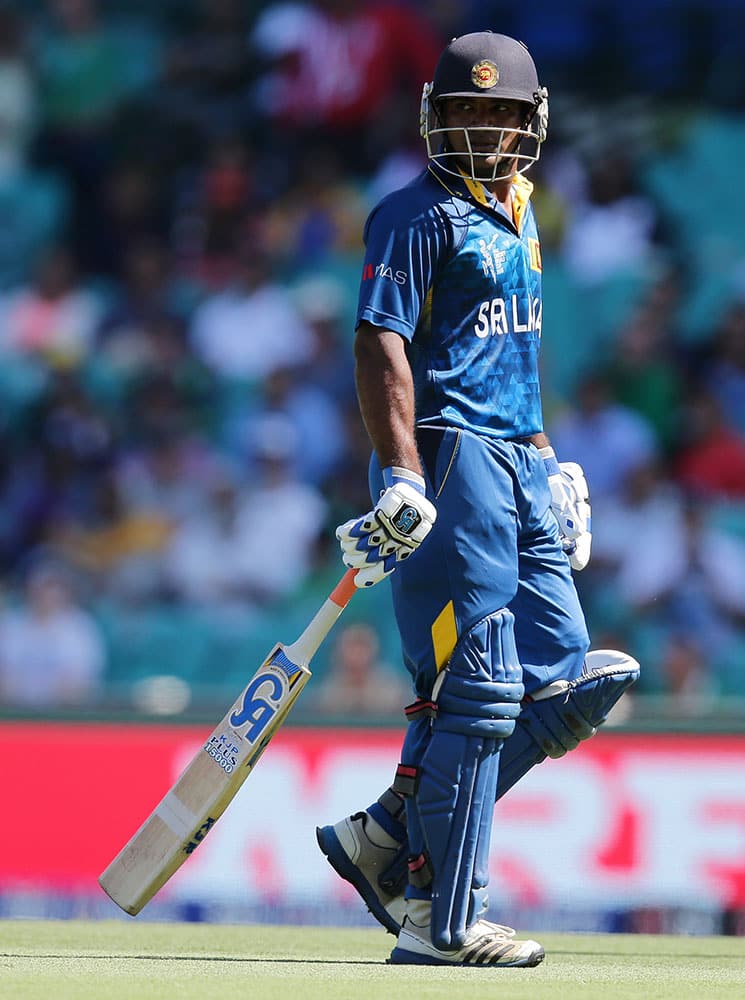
<point x="259" y="706"/>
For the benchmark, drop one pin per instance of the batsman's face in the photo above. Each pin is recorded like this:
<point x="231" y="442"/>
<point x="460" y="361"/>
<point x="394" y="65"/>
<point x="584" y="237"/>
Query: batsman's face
<point x="485" y="130"/>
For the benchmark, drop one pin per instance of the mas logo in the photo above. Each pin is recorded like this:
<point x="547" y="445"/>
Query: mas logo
<point x="370" y="271"/>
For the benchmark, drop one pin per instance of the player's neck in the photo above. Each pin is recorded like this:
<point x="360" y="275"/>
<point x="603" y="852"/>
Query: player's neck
<point x="502" y="191"/>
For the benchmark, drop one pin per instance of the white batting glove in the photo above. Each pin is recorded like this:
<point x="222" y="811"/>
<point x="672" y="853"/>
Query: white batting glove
<point x="376" y="543"/>
<point x="570" y="503"/>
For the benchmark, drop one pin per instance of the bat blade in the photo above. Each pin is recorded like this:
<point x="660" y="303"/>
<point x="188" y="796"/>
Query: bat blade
<point x="210" y="781"/>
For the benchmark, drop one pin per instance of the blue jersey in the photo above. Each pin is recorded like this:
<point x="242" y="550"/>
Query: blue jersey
<point x="448" y="271"/>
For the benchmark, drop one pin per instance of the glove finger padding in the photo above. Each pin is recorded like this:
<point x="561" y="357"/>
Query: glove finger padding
<point x="375" y="543"/>
<point x="574" y="479"/>
<point x="578" y="549"/>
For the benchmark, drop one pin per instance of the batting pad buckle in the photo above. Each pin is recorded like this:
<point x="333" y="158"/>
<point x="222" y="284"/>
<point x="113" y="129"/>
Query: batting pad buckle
<point x="422" y="707"/>
<point x="406" y="781"/>
<point x="420" y="872"/>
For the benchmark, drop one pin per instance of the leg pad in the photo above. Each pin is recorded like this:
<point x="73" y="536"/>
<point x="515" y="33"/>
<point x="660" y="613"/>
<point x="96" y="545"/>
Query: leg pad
<point x="559" y="717"/>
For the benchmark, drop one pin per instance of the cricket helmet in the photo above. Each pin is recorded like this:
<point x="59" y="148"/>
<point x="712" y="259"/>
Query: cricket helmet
<point x="478" y="65"/>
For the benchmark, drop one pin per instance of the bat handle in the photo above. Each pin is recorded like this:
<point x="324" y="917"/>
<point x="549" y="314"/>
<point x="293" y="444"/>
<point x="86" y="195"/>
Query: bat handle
<point x="306" y="645"/>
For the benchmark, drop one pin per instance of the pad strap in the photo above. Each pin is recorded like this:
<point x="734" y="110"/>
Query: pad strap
<point x="421" y="707"/>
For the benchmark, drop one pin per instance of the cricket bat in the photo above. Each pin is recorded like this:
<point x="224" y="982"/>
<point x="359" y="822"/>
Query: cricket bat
<point x="187" y="813"/>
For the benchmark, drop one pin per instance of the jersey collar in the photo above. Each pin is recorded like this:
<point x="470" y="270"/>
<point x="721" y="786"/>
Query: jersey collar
<point x="471" y="190"/>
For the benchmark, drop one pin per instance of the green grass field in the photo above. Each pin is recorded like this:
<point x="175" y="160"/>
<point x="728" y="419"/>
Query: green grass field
<point x="117" y="960"/>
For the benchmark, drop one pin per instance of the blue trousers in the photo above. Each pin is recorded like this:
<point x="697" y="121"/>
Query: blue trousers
<point x="495" y="544"/>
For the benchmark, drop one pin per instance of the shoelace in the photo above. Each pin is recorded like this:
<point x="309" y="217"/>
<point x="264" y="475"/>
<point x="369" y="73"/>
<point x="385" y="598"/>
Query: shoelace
<point x="499" y="930"/>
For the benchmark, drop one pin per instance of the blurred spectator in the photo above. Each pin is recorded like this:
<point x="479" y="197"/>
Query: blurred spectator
<point x="668" y="569"/>
<point x="208" y="563"/>
<point x="686" y="674"/>
<point x="143" y="356"/>
<point x="563" y="38"/>
<point x="55" y="318"/>
<point x="401" y="165"/>
<point x="170" y="392"/>
<point x="33" y="203"/>
<point x="116" y="549"/>
<point x="664" y="59"/>
<point x="643" y="371"/>
<point x="313" y="417"/>
<point x="325" y="303"/>
<point x="34" y="208"/>
<point x="639" y="538"/>
<point x="211" y="202"/>
<point x="73" y="440"/>
<point x="84" y="70"/>
<point x="312" y="398"/>
<point x="143" y="300"/>
<point x="711" y="458"/>
<point x="358" y="683"/>
<point x="608" y="440"/>
<point x="133" y="213"/>
<point x="321" y="215"/>
<point x="168" y="473"/>
<point x="724" y="366"/>
<point x="207" y="70"/>
<point x="347" y="490"/>
<point x="18" y="97"/>
<point x="340" y="70"/>
<point x="705" y="598"/>
<point x="250" y="328"/>
<point x="51" y="650"/>
<point x="613" y="228"/>
<point x="24" y="506"/>
<point x="249" y="546"/>
<point x="55" y="449"/>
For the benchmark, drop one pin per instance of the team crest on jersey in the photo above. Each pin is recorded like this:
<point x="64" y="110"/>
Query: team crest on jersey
<point x="534" y="248"/>
<point x="484" y="74"/>
<point x="492" y="258"/>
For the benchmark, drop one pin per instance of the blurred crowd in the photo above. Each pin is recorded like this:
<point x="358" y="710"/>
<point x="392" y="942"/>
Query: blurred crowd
<point x="183" y="188"/>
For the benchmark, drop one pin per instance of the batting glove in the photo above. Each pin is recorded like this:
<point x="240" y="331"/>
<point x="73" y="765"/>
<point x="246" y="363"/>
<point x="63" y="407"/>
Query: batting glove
<point x="570" y="503"/>
<point x="401" y="520"/>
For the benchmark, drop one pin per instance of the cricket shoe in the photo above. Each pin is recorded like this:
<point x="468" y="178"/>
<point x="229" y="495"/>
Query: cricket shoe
<point x="486" y="944"/>
<point x="361" y="851"/>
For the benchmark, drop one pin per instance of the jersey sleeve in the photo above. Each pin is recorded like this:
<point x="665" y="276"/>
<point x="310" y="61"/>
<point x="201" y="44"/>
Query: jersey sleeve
<point x="403" y="248"/>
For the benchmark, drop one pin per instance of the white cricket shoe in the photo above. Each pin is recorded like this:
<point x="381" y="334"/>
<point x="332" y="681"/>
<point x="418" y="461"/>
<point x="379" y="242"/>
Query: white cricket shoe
<point x="360" y="850"/>
<point x="486" y="944"/>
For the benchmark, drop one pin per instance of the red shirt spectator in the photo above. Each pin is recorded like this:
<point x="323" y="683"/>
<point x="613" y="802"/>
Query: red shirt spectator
<point x="713" y="462"/>
<point x="339" y="63"/>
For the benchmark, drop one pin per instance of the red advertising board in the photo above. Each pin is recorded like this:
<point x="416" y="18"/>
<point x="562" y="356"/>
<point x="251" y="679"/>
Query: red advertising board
<point x="625" y="820"/>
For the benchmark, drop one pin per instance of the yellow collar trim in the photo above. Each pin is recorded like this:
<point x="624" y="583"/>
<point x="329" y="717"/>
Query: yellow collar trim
<point x="522" y="189"/>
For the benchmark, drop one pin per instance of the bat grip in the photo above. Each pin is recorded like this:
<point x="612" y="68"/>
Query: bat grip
<point x="344" y="590"/>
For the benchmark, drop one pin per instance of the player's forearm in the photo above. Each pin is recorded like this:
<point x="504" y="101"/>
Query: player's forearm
<point x="386" y="396"/>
